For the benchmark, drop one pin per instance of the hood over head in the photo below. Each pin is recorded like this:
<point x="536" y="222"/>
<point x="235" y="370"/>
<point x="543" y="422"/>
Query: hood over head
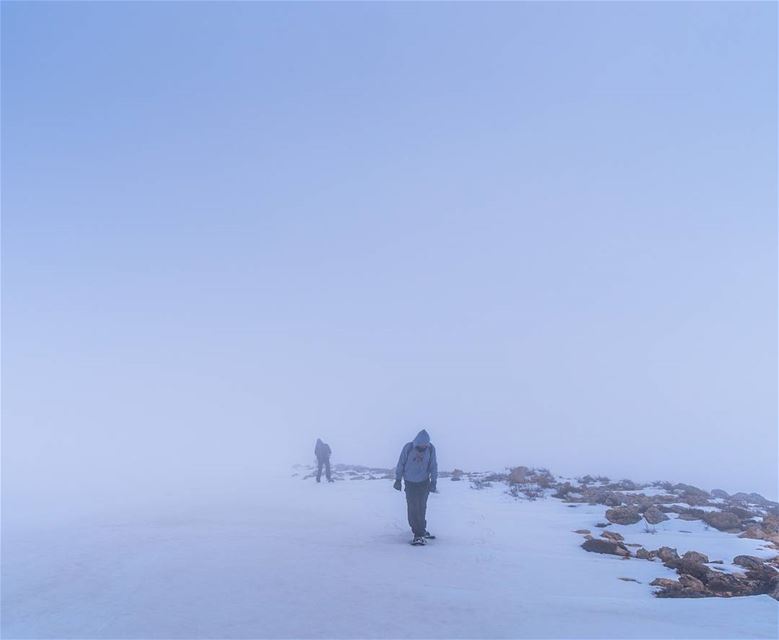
<point x="422" y="438"/>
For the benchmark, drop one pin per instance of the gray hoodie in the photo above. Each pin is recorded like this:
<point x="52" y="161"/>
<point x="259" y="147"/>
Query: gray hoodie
<point x="415" y="465"/>
<point x="322" y="450"/>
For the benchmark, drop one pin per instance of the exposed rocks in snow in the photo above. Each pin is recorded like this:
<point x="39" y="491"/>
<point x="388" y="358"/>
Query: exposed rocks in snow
<point x="694" y="557"/>
<point x="748" y="562"/>
<point x="519" y="475"/>
<point x="612" y="535"/>
<point x="644" y="554"/>
<point x="668" y="556"/>
<point x="623" y="515"/>
<point x="653" y="515"/>
<point x="749" y="515"/>
<point x="722" y="520"/>
<point x="611" y="547"/>
<point x="696" y="580"/>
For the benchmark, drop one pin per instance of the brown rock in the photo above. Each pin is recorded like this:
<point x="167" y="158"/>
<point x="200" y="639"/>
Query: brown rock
<point x="623" y="515"/>
<point x="664" y="582"/>
<point x="748" y="562"/>
<point x="695" y="557"/>
<point x="668" y="556"/>
<point x="610" y="547"/>
<point x="653" y="515"/>
<point x="582" y="531"/>
<point x="643" y="554"/>
<point x="694" y="568"/>
<point x="519" y="475"/>
<point x="724" y="584"/>
<point x="691" y="582"/>
<point x="722" y="520"/>
<point x="755" y="533"/>
<point x="612" y="535"/>
<point x="770" y="524"/>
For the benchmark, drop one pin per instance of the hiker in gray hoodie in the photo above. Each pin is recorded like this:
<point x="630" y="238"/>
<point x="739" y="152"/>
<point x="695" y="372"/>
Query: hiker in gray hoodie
<point x="418" y="467"/>
<point x="322" y="452"/>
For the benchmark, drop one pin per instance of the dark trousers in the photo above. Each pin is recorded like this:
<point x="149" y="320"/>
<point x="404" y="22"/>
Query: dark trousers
<point x="416" y="501"/>
<point x="322" y="462"/>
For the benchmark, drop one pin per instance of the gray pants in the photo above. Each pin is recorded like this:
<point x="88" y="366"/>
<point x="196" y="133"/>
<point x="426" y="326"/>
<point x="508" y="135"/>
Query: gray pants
<point x="416" y="501"/>
<point x="322" y="462"/>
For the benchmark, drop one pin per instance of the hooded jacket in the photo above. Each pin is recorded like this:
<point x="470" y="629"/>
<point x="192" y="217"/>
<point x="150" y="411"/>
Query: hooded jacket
<point x="415" y="465"/>
<point x="321" y="450"/>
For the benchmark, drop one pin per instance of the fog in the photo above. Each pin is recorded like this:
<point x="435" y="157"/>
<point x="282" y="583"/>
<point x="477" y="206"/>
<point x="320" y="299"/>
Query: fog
<point x="353" y="222"/>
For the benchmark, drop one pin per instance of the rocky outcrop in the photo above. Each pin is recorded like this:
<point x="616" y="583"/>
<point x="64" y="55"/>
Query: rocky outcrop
<point x="748" y="562"/>
<point x="668" y="556"/>
<point x="613" y="536"/>
<point x="597" y="545"/>
<point x="653" y="515"/>
<point x="644" y="554"/>
<point x="519" y="475"/>
<point x="696" y="580"/>
<point x="722" y="520"/>
<point x="623" y="515"/>
<point x="695" y="557"/>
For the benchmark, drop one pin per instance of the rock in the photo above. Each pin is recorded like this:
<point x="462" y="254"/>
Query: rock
<point x="519" y="475"/>
<point x="748" y="562"/>
<point x="770" y="524"/>
<point x="643" y="554"/>
<point x="612" y="535"/>
<point x="653" y="515"/>
<point x="623" y="515"/>
<point x="602" y="525"/>
<point x="668" y="556"/>
<point x="697" y="569"/>
<point x="755" y="533"/>
<point x="756" y="498"/>
<point x="719" y="493"/>
<point x="724" y="584"/>
<point x="582" y="531"/>
<point x="664" y="582"/>
<point x="691" y="582"/>
<point x="613" y="499"/>
<point x="563" y="490"/>
<point x="691" y="514"/>
<point x="741" y="513"/>
<point x="695" y="557"/>
<point x="722" y="520"/>
<point x="690" y="494"/>
<point x="605" y="546"/>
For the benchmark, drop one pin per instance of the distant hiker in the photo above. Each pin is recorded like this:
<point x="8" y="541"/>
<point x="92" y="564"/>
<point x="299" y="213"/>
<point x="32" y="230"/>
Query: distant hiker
<point x="418" y="467"/>
<point x="322" y="452"/>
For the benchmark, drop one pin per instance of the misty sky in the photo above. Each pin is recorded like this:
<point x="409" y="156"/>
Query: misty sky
<point x="545" y="232"/>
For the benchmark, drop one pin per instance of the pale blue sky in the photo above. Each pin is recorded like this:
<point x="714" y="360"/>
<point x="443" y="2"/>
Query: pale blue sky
<point x="546" y="232"/>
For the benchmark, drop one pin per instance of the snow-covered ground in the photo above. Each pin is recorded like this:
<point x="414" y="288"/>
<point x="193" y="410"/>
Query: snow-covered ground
<point x="297" y="559"/>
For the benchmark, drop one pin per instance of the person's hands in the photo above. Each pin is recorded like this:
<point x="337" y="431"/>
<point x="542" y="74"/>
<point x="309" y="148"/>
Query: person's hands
<point x="433" y="488"/>
<point x="397" y="486"/>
